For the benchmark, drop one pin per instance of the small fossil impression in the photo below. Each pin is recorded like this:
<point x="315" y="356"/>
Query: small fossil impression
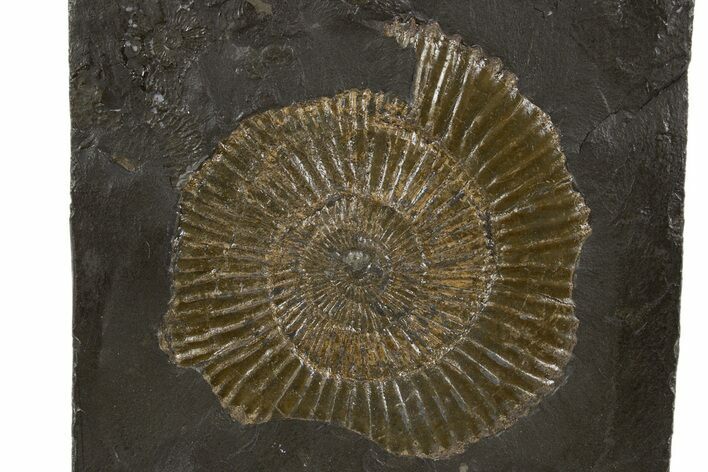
<point x="403" y="270"/>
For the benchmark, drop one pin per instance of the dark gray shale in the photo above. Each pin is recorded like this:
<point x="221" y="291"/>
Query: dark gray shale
<point x="156" y="85"/>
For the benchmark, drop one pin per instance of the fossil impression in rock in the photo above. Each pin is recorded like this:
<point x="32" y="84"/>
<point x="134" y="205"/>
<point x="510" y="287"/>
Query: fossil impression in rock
<point x="403" y="270"/>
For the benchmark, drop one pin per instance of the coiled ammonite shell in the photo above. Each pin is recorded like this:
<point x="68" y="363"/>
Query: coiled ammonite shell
<point x="402" y="270"/>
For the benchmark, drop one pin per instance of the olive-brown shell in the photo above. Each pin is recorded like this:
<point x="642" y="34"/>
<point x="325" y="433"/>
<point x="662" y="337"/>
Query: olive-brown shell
<point x="401" y="270"/>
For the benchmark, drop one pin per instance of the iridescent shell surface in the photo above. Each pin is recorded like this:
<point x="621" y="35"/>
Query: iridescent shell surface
<point x="403" y="270"/>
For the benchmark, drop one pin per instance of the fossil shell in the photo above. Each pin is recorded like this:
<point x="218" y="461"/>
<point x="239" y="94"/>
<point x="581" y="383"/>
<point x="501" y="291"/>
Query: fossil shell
<point x="401" y="270"/>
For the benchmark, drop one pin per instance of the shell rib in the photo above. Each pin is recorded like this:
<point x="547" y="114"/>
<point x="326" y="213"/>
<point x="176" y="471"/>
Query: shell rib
<point x="401" y="270"/>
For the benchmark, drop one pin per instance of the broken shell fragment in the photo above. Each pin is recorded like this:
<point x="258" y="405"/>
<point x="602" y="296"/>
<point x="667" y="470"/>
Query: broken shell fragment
<point x="401" y="270"/>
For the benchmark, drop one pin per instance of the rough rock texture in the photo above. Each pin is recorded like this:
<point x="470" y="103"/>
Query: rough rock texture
<point x="155" y="85"/>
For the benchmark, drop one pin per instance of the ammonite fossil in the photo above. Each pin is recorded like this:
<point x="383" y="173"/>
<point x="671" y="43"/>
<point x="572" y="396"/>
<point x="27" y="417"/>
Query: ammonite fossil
<point x="403" y="270"/>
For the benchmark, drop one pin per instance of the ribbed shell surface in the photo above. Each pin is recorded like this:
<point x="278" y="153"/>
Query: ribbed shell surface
<point x="401" y="270"/>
